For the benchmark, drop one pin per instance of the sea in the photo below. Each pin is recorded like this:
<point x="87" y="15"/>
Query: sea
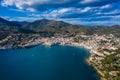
<point x="46" y="63"/>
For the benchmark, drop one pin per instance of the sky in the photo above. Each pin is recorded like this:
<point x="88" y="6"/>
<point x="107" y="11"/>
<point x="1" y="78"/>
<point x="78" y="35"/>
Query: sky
<point x="83" y="12"/>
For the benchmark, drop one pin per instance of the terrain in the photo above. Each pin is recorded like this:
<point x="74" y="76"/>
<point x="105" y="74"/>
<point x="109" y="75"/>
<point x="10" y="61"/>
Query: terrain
<point x="102" y="41"/>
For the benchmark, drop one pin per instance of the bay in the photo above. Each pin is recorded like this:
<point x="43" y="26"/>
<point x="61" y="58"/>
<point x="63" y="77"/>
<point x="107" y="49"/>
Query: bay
<point x="46" y="63"/>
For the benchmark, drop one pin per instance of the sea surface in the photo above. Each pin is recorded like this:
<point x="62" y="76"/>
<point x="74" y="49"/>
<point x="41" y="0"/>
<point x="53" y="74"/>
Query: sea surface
<point x="46" y="63"/>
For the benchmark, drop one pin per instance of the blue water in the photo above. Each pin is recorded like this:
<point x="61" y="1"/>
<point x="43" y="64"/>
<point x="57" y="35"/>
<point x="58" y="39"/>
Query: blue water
<point x="46" y="63"/>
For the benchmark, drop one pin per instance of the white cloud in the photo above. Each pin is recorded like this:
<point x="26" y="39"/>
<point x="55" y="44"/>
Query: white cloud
<point x="110" y="12"/>
<point x="31" y="9"/>
<point x="23" y="4"/>
<point x="105" y="6"/>
<point x="80" y="21"/>
<point x="29" y="19"/>
<point x="61" y="12"/>
<point x="65" y="11"/>
<point x="86" y="9"/>
<point x="53" y="13"/>
<point x="107" y="23"/>
<point x="5" y="17"/>
<point x="29" y="4"/>
<point x="88" y="1"/>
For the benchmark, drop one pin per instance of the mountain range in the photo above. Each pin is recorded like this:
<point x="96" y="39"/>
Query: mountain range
<point x="52" y="27"/>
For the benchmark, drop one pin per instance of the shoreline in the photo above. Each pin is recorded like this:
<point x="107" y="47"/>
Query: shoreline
<point x="98" y="47"/>
<point x="73" y="45"/>
<point x="96" y="69"/>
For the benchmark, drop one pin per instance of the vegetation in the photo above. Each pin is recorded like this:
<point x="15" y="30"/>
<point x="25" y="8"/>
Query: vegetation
<point x="111" y="66"/>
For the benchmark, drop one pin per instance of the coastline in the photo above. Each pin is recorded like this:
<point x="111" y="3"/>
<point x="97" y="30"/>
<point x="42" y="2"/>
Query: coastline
<point x="96" y="45"/>
<point x="74" y="45"/>
<point x="75" y="53"/>
<point x="101" y="75"/>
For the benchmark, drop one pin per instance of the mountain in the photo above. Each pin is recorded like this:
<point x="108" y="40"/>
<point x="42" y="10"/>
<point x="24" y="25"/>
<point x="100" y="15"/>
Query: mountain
<point x="51" y="27"/>
<point x="9" y="27"/>
<point x="45" y="26"/>
<point x="48" y="28"/>
<point x="6" y="23"/>
<point x="45" y="23"/>
<point x="20" y="22"/>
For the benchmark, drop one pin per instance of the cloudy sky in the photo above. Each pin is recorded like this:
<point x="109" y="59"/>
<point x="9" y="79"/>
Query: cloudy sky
<point x="84" y="12"/>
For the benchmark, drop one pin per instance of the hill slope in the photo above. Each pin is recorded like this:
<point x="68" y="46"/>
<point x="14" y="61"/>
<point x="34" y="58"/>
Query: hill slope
<point x="47" y="28"/>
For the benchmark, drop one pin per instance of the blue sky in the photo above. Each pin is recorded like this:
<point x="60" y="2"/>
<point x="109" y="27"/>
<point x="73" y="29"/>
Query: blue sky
<point x="84" y="12"/>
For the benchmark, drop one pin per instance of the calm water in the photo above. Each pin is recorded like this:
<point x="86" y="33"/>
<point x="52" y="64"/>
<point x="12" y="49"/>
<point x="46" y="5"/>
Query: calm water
<point x="45" y="63"/>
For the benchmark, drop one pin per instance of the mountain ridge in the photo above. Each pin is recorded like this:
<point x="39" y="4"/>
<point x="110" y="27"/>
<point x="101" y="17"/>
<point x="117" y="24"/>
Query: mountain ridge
<point x="51" y="28"/>
<point x="4" y="23"/>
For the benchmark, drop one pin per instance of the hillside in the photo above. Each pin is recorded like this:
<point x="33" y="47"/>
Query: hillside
<point x="50" y="26"/>
<point x="47" y="28"/>
<point x="8" y="27"/>
<point x="6" y="23"/>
